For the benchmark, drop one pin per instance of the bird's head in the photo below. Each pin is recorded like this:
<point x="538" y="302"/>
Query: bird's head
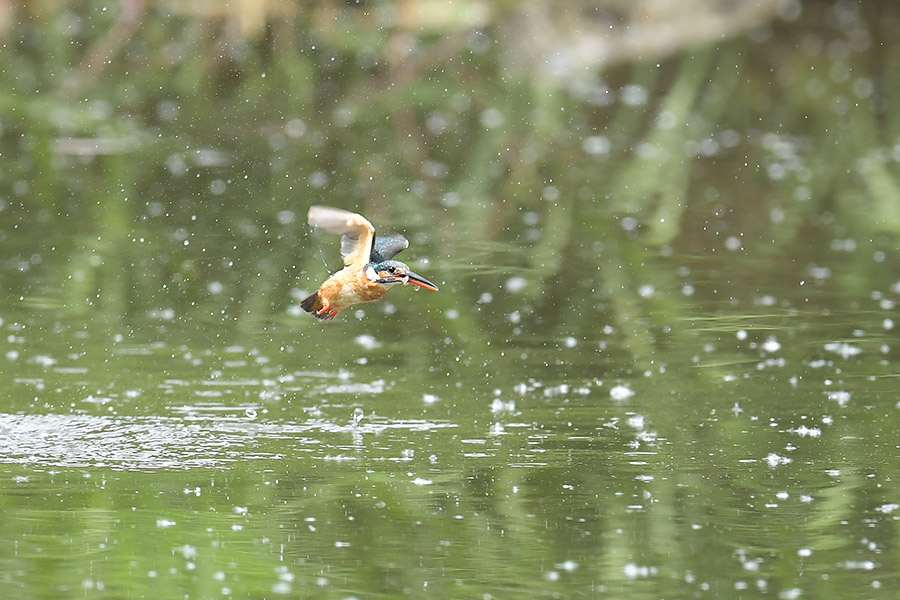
<point x="390" y="272"/>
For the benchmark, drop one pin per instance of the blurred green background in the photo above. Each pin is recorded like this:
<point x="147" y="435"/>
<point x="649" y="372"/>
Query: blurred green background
<point x="661" y="363"/>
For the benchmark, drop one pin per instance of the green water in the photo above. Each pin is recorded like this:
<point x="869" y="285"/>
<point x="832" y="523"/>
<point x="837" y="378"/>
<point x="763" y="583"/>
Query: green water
<point x="662" y="362"/>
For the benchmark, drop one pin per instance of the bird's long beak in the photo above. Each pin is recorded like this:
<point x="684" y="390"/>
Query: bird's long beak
<point x="419" y="281"/>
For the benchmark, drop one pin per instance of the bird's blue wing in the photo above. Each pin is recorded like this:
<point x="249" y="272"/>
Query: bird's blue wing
<point x="388" y="246"/>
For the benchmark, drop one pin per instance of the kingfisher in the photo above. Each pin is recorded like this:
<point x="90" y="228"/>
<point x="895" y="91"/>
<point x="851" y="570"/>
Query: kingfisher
<point x="369" y="269"/>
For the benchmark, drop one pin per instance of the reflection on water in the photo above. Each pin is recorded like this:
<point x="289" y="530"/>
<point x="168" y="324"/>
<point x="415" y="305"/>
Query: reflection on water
<point x="737" y="446"/>
<point x="748" y="460"/>
<point x="662" y="362"/>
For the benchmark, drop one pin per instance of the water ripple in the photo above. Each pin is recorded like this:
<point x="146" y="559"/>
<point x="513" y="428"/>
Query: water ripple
<point x="152" y="443"/>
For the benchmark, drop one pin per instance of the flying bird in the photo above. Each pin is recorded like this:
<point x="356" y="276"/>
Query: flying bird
<point x="369" y="269"/>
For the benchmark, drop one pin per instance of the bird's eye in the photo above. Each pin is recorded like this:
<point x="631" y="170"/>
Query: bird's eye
<point x="391" y="269"/>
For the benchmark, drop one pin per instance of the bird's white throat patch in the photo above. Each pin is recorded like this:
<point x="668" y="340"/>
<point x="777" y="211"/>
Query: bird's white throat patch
<point x="370" y="272"/>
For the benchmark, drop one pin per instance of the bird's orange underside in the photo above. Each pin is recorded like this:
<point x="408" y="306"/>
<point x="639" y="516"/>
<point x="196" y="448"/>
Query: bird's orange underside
<point x="347" y="287"/>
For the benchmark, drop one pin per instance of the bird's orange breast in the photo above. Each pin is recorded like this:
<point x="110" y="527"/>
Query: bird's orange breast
<point x="350" y="286"/>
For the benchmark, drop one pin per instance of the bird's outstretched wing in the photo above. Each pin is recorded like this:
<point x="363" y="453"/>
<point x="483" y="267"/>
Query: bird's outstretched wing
<point x="357" y="234"/>
<point x="388" y="246"/>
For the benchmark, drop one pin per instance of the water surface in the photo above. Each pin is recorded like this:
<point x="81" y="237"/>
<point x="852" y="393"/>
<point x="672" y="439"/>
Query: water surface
<point x="662" y="362"/>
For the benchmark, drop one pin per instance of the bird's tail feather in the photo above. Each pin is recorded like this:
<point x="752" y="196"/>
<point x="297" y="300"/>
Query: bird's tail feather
<point x="313" y="304"/>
